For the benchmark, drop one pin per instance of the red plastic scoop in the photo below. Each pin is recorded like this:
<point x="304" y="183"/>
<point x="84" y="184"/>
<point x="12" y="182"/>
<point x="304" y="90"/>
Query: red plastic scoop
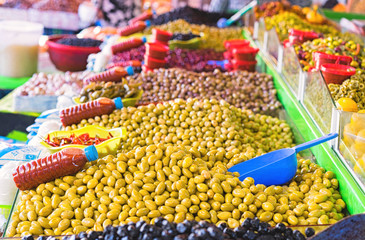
<point x="322" y="58"/>
<point x="336" y="73"/>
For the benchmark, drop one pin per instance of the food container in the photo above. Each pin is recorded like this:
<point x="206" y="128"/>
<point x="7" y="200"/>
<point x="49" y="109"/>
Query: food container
<point x="228" y="44"/>
<point x="245" y="54"/>
<point x="19" y="43"/>
<point x="161" y="36"/>
<point x="336" y="73"/>
<point x="321" y="58"/>
<point x="68" y="58"/>
<point x="298" y="36"/>
<point x="105" y="148"/>
<point x="151" y="62"/>
<point x="244" y="65"/>
<point x="157" y="50"/>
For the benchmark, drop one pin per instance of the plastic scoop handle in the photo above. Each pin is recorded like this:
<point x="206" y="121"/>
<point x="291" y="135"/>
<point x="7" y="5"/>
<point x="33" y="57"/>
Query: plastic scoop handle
<point x="241" y="12"/>
<point x="217" y="62"/>
<point x="315" y="142"/>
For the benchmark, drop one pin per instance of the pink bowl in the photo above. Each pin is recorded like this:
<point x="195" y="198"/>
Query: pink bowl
<point x="68" y="58"/>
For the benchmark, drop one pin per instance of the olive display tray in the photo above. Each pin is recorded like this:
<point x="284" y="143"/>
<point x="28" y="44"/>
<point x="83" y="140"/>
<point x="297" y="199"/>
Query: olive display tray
<point x="326" y="156"/>
<point x="304" y="130"/>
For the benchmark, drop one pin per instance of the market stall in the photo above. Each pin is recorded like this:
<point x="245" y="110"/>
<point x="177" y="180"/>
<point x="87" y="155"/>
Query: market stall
<point x="148" y="131"/>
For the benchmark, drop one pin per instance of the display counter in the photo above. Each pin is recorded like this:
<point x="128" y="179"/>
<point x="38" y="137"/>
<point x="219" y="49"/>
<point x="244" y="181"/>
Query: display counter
<point x="312" y="96"/>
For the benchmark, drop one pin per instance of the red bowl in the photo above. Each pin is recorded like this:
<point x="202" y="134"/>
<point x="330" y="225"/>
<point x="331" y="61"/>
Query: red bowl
<point x="68" y="58"/>
<point x="152" y="63"/>
<point x="157" y="50"/>
<point x="336" y="73"/>
<point x="228" y="44"/>
<point x="322" y="58"/>
<point x="245" y="54"/>
<point x="244" y="65"/>
<point x="160" y="35"/>
<point x="299" y="36"/>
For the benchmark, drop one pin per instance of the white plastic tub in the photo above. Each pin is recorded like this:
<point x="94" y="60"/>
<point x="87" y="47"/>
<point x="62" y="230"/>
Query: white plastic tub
<point x="19" y="41"/>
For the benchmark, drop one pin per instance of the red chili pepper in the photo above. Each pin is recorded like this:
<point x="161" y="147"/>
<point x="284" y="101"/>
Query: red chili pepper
<point x="83" y="139"/>
<point x="357" y="49"/>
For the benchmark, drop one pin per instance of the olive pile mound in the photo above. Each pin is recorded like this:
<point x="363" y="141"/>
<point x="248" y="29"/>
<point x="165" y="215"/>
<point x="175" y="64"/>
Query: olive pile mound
<point x="353" y="88"/>
<point x="253" y="91"/>
<point x="174" y="165"/>
<point x="189" y="14"/>
<point x="170" y="182"/>
<point x="285" y="21"/>
<point x="331" y="45"/>
<point x="213" y="37"/>
<point x="192" y="230"/>
<point x="110" y="90"/>
<point x="208" y="124"/>
<point x="80" y="42"/>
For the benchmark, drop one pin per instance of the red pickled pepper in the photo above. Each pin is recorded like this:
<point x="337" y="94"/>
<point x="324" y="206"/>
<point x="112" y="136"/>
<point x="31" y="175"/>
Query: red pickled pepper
<point x="128" y="44"/>
<point x="144" y="16"/>
<point x="112" y="75"/>
<point x="134" y="28"/>
<point x="132" y="63"/>
<point x="83" y="139"/>
<point x="101" y="106"/>
<point x="69" y="161"/>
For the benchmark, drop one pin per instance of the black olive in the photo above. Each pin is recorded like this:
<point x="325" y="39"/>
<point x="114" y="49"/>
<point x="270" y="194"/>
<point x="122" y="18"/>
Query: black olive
<point x="181" y="237"/>
<point x="247" y="223"/>
<point x="250" y="235"/>
<point x="280" y="227"/>
<point x="255" y="223"/>
<point x="139" y="224"/>
<point x="222" y="226"/>
<point x="42" y="238"/>
<point x="192" y="236"/>
<point x="266" y="237"/>
<point x="298" y="235"/>
<point x="309" y="232"/>
<point x="204" y="224"/>
<point x="28" y="237"/>
<point x="229" y="232"/>
<point x="158" y="221"/>
<point x="182" y="228"/>
<point x="288" y="232"/>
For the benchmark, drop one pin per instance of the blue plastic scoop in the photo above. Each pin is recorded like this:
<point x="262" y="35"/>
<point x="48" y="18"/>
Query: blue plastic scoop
<point x="224" y="22"/>
<point x="277" y="167"/>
